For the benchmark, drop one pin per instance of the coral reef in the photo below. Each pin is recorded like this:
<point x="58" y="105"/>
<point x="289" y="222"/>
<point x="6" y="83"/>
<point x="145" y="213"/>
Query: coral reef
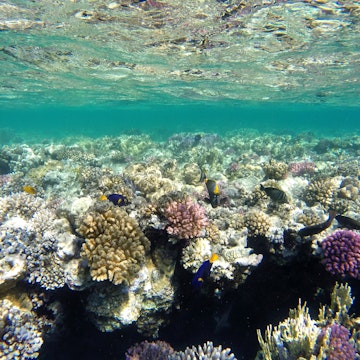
<point x="21" y="332"/>
<point x="299" y="336"/>
<point x="156" y="350"/>
<point x="275" y="170"/>
<point x="320" y="191"/>
<point x="301" y="168"/>
<point x="341" y="253"/>
<point x="186" y="218"/>
<point x="336" y="339"/>
<point x="115" y="247"/>
<point x="205" y="352"/>
<point x="257" y="223"/>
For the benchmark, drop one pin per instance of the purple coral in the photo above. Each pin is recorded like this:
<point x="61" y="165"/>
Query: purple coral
<point x="301" y="168"/>
<point x="341" y="251"/>
<point x="187" y="219"/>
<point x="156" y="350"/>
<point x="339" y="345"/>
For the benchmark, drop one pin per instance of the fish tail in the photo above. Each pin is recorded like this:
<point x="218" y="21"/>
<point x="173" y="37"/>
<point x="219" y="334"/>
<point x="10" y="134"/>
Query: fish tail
<point x="103" y="197"/>
<point x="214" y="257"/>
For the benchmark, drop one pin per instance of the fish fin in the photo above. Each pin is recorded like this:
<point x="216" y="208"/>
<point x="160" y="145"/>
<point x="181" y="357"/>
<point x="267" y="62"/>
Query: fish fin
<point x="103" y="197"/>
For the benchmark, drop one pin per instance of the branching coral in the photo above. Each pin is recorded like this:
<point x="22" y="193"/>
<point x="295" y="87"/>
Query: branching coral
<point x="186" y="218"/>
<point x="320" y="191"/>
<point x="156" y="350"/>
<point x="332" y="336"/>
<point x="341" y="252"/>
<point x="115" y="246"/>
<point x="257" y="223"/>
<point x="275" y="170"/>
<point x="205" y="352"/>
<point x="21" y="332"/>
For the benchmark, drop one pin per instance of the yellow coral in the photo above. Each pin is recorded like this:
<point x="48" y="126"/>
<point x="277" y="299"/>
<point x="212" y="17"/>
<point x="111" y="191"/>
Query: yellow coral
<point x="115" y="246"/>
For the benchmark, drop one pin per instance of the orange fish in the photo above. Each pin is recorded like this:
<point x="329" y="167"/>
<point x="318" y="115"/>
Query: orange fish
<point x="30" y="189"/>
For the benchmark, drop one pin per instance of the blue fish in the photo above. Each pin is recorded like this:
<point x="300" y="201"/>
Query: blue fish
<point x="203" y="272"/>
<point x="116" y="199"/>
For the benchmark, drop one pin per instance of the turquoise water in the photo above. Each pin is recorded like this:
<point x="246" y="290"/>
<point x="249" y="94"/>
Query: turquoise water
<point x="163" y="121"/>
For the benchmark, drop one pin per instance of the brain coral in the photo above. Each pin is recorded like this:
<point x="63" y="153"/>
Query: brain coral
<point x="341" y="251"/>
<point x="186" y="218"/>
<point x="115" y="246"/>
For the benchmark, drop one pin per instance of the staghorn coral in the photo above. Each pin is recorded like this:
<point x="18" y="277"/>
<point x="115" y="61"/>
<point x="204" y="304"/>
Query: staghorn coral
<point x="115" y="246"/>
<point x="301" y="337"/>
<point x="257" y="223"/>
<point x="275" y="170"/>
<point x="320" y="191"/>
<point x="341" y="253"/>
<point x="293" y="338"/>
<point x="155" y="350"/>
<point x="186" y="218"/>
<point x="205" y="352"/>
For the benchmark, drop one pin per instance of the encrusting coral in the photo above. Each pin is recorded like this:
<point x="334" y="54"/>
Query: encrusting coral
<point x="115" y="246"/>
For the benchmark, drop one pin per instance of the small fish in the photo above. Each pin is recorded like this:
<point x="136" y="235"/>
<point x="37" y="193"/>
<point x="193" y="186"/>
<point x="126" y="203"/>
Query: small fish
<point x="30" y="189"/>
<point x="203" y="176"/>
<point x="347" y="222"/>
<point x="318" y="228"/>
<point x="116" y="199"/>
<point x="274" y="194"/>
<point x="203" y="272"/>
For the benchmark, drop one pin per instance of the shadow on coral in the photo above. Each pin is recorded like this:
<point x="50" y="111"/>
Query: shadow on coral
<point x="265" y="298"/>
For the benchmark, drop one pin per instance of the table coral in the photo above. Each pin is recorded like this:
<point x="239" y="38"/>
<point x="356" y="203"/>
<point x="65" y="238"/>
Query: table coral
<point x="115" y="246"/>
<point x="186" y="218"/>
<point x="341" y="253"/>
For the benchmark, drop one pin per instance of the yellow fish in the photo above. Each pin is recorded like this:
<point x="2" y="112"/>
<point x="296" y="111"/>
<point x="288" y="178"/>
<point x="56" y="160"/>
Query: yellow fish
<point x="30" y="189"/>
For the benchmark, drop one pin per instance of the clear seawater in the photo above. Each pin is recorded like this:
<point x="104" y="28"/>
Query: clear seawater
<point x="162" y="121"/>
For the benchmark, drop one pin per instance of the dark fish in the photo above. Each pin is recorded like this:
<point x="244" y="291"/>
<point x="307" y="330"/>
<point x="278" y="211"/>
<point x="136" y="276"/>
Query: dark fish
<point x="274" y="194"/>
<point x="347" y="222"/>
<point x="214" y="192"/>
<point x="318" y="228"/>
<point x="203" y="272"/>
<point x="116" y="199"/>
<point x="197" y="139"/>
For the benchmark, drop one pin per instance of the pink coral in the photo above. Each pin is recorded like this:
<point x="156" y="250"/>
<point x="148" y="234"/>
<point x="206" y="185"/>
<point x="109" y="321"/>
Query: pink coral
<point x="186" y="218"/>
<point x="341" y="253"/>
<point x="301" y="168"/>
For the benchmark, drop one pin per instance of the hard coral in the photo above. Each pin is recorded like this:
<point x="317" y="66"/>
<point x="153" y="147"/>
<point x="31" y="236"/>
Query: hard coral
<point x="206" y="352"/>
<point x="341" y="251"/>
<point x="301" y="168"/>
<point x="156" y="350"/>
<point x="186" y="218"/>
<point x="338" y="343"/>
<point x="21" y="332"/>
<point x="115" y="246"/>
